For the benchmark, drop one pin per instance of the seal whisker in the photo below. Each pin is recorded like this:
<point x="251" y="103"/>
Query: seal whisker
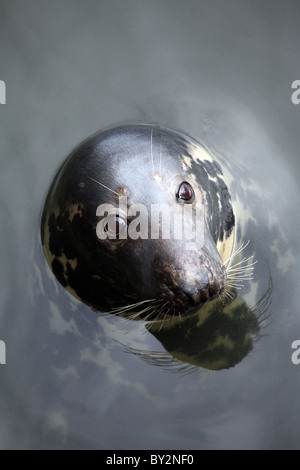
<point x="237" y="281"/>
<point x="240" y="274"/>
<point x="131" y="306"/>
<point x="165" y="317"/>
<point x="238" y="266"/>
<point x="244" y="260"/>
<point x="129" y="317"/>
<point x="248" y="277"/>
<point x="226" y="294"/>
<point x="127" y="311"/>
<point x="229" y="295"/>
<point x="101" y="184"/>
<point x="237" y="252"/>
<point x="151" y="151"/>
<point x="153" y="311"/>
<point x="235" y="285"/>
<point x="239" y="271"/>
<point x="136" y="315"/>
<point x="160" y="316"/>
<point x="148" y="317"/>
<point x="130" y="314"/>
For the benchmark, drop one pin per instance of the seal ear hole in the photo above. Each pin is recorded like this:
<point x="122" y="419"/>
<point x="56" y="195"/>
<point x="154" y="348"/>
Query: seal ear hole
<point x="185" y="193"/>
<point x="115" y="226"/>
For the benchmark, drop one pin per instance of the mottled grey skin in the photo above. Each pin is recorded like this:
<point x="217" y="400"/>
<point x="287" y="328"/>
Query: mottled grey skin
<point x="147" y="164"/>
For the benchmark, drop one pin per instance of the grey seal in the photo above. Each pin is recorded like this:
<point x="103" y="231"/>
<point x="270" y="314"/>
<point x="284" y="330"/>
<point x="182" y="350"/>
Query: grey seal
<point x="107" y="255"/>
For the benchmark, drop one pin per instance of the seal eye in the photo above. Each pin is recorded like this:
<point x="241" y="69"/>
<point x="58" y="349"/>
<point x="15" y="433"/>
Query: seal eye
<point x="115" y="226"/>
<point x="185" y="193"/>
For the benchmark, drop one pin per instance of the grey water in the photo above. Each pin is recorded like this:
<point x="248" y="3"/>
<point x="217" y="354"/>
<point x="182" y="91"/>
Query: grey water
<point x="223" y="73"/>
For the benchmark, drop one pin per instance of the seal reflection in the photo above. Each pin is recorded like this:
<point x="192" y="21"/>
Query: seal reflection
<point x="218" y="336"/>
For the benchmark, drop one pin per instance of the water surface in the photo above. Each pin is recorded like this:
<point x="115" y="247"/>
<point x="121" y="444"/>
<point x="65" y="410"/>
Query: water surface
<point x="222" y="73"/>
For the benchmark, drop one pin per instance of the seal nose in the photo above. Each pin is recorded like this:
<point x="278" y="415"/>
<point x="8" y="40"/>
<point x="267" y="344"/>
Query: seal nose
<point x="197" y="294"/>
<point x="194" y="283"/>
<point x="207" y="287"/>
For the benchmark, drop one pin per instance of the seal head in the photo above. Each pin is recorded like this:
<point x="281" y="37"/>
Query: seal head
<point x="138" y="221"/>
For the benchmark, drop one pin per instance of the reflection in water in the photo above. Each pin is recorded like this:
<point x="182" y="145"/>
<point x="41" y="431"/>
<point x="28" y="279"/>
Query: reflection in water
<point x="218" y="336"/>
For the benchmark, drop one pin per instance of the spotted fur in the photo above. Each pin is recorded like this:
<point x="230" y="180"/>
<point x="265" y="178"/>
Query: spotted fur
<point x="147" y="163"/>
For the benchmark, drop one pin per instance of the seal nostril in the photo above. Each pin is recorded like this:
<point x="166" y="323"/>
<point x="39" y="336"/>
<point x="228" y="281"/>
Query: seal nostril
<point x="197" y="295"/>
<point x="207" y="288"/>
<point x="197" y="298"/>
<point x="192" y="293"/>
<point x="194" y="287"/>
